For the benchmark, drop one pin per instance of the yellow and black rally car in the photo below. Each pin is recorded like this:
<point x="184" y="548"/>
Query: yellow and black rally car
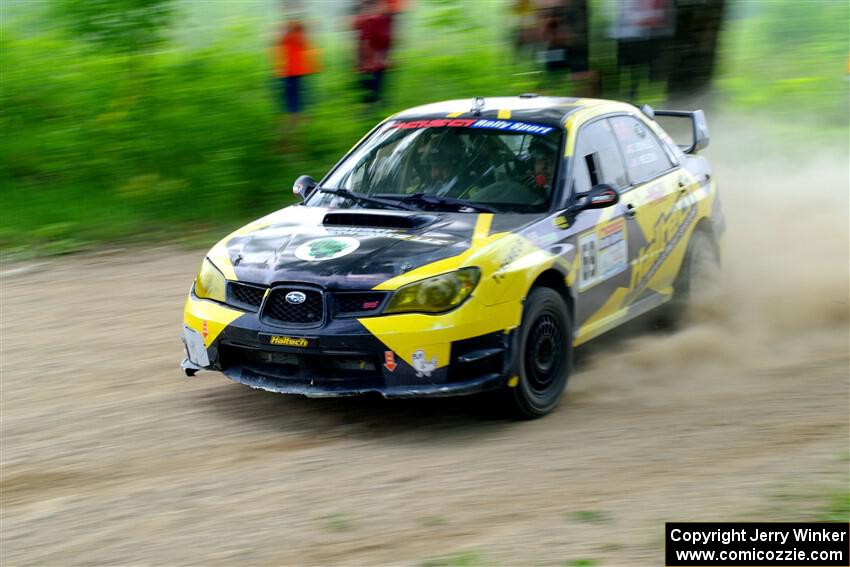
<point x="460" y="247"/>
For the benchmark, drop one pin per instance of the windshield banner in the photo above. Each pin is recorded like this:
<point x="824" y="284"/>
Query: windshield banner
<point x="506" y="125"/>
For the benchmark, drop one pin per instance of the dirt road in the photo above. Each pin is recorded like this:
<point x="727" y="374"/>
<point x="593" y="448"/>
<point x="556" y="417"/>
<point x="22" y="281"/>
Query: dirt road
<point x="110" y="456"/>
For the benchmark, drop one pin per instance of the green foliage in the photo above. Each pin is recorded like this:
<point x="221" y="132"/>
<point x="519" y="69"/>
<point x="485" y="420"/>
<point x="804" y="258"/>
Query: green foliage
<point x="452" y="16"/>
<point x="192" y="141"/>
<point x="106" y="138"/>
<point x="119" y="25"/>
<point x="109" y="154"/>
<point x="789" y="55"/>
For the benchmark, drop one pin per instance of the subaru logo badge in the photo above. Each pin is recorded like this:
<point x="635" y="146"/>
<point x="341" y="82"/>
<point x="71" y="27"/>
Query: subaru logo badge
<point x="295" y="297"/>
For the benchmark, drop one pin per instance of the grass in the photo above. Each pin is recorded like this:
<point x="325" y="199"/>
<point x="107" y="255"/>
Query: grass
<point x="590" y="516"/>
<point x="462" y="559"/>
<point x="837" y="508"/>
<point x="582" y="563"/>
<point x="337" y="523"/>
<point x="432" y="521"/>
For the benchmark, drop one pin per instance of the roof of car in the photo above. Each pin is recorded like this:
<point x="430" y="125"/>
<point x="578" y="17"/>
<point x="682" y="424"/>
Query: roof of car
<point x="547" y="110"/>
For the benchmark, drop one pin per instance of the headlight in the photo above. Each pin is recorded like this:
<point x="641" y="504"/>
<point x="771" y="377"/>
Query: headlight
<point x="436" y="294"/>
<point x="209" y="282"/>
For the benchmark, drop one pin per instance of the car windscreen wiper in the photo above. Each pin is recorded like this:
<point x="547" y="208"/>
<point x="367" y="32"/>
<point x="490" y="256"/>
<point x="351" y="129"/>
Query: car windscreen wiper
<point x="364" y="198"/>
<point x="425" y="199"/>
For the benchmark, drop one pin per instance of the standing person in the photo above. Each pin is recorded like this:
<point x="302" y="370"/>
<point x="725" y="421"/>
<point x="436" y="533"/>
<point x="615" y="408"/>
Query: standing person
<point x="555" y="37"/>
<point x="294" y="60"/>
<point x="642" y="29"/>
<point x="373" y="26"/>
<point x="524" y="33"/>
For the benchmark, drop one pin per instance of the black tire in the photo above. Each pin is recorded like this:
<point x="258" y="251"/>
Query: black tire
<point x="543" y="352"/>
<point x="699" y="274"/>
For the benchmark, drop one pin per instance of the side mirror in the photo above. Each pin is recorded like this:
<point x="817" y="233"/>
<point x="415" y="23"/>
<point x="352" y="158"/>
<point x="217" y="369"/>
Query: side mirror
<point x="599" y="197"/>
<point x="303" y="187"/>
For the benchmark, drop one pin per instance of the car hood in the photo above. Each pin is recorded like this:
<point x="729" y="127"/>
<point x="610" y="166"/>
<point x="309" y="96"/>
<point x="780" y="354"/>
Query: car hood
<point x="350" y="248"/>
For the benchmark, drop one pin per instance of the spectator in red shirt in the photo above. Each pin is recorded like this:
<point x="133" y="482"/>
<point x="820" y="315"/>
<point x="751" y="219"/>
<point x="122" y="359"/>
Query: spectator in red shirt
<point x="373" y="26"/>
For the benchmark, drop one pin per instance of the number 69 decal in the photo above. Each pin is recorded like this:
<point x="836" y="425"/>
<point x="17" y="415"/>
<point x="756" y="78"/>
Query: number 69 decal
<point x="588" y="248"/>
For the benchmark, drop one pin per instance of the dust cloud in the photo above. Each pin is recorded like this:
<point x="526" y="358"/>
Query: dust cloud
<point x="782" y="298"/>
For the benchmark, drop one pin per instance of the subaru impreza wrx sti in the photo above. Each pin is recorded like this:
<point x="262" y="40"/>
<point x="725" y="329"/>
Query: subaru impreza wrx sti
<point x="461" y="247"/>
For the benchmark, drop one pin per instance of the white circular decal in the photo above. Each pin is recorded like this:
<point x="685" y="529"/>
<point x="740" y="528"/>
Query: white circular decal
<point x="326" y="248"/>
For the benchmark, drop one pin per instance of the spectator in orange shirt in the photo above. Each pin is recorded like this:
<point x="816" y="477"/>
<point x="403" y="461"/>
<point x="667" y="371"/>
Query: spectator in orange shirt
<point x="294" y="60"/>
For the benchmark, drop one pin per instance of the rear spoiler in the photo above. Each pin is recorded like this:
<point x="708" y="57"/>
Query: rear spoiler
<point x="699" y="128"/>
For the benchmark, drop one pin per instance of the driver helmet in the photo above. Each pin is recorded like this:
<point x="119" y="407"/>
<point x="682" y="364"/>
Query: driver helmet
<point x="541" y="148"/>
<point x="542" y="151"/>
<point x="445" y="148"/>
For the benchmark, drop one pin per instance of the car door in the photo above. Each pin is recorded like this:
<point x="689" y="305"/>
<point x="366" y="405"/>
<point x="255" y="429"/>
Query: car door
<point x="602" y="242"/>
<point x="657" y="206"/>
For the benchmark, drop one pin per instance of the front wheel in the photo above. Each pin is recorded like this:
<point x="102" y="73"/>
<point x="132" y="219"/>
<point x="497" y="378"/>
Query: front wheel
<point x="543" y="351"/>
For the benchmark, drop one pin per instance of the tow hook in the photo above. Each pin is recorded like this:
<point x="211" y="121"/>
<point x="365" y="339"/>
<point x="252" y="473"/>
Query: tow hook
<point x="189" y="367"/>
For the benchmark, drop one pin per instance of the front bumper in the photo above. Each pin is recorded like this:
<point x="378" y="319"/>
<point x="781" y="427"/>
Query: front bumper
<point x="343" y="387"/>
<point x="348" y="357"/>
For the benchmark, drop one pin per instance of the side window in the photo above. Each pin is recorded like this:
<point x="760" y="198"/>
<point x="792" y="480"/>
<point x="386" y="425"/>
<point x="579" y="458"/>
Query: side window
<point x="597" y="158"/>
<point x="645" y="157"/>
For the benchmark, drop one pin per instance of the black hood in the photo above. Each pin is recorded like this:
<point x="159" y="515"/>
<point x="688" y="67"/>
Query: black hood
<point x="350" y="248"/>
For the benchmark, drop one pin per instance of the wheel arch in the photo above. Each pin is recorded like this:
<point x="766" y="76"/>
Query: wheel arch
<point x="556" y="280"/>
<point x="705" y="226"/>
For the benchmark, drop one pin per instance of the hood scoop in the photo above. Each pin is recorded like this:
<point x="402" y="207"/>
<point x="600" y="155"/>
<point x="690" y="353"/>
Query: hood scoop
<point x="379" y="220"/>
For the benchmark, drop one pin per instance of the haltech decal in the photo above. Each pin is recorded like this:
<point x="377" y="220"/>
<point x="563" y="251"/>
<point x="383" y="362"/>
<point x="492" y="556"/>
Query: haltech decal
<point x="667" y="232"/>
<point x="289" y="341"/>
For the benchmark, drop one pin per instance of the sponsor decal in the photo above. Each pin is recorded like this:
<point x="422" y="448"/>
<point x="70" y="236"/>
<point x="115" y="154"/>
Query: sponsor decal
<point x="326" y="248"/>
<point x="506" y="125"/>
<point x="299" y="342"/>
<point x="389" y="361"/>
<point x="603" y="253"/>
<point x="512" y="126"/>
<point x="514" y="252"/>
<point x="390" y="233"/>
<point x="542" y="239"/>
<point x="655" y="193"/>
<point x="435" y="123"/>
<point x="667" y="233"/>
<point x="204" y="329"/>
<point x="423" y="366"/>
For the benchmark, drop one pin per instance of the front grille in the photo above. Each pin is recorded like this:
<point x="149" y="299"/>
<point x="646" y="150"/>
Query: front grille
<point x="279" y="311"/>
<point x="359" y="302"/>
<point x="245" y="296"/>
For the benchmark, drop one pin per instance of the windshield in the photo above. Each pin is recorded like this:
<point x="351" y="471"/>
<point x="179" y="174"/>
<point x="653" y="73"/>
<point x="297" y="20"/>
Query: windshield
<point x="503" y="165"/>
